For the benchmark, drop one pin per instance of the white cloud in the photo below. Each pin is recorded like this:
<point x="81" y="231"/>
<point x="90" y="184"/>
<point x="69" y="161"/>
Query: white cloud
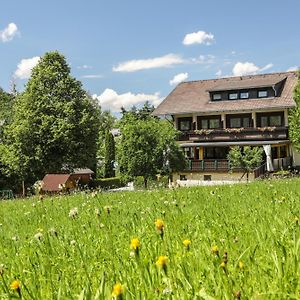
<point x="200" y="37"/>
<point x="92" y="76"/>
<point x="150" y="63"/>
<point x="25" y="66"/>
<point x="8" y="33"/>
<point x="179" y="78"/>
<point x="113" y="101"/>
<point x="84" y="67"/>
<point x="294" y="68"/>
<point x="248" y="68"/>
<point x="203" y="59"/>
<point x="219" y="73"/>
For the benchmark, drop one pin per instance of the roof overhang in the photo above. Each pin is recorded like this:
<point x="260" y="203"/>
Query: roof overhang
<point x="241" y="143"/>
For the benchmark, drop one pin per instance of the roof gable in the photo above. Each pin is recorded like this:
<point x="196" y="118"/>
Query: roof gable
<point x="52" y="182"/>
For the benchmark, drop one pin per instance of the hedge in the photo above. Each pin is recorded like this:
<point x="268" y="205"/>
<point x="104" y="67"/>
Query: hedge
<point x="108" y="183"/>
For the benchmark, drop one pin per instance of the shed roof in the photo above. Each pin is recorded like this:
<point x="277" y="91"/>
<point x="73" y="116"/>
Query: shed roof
<point x="82" y="171"/>
<point x="52" y="182"/>
<point x="193" y="96"/>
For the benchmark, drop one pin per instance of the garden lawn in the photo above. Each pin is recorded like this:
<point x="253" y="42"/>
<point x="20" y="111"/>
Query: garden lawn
<point x="225" y="242"/>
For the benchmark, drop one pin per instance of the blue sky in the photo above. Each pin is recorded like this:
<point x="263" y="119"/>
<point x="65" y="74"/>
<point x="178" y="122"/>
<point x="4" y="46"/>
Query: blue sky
<point x="126" y="52"/>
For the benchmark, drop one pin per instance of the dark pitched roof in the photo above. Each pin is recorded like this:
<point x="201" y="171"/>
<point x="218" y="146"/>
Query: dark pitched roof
<point x="52" y="182"/>
<point x="193" y="97"/>
<point x="83" y="171"/>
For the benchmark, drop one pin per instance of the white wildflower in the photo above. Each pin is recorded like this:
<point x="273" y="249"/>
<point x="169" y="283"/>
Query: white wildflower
<point x="38" y="236"/>
<point x="73" y="212"/>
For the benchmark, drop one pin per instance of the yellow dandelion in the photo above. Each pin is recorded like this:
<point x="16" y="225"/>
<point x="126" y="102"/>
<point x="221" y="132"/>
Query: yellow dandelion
<point x="162" y="261"/>
<point x="187" y="243"/>
<point x="159" y="224"/>
<point x="15" y="285"/>
<point x="135" y="244"/>
<point x="223" y="265"/>
<point x="117" y="291"/>
<point x="241" y="265"/>
<point x="215" y="249"/>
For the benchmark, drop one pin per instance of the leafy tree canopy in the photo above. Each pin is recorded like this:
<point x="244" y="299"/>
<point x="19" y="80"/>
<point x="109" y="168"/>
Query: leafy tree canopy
<point x="246" y="158"/>
<point x="109" y="155"/>
<point x="55" y="123"/>
<point x="147" y="147"/>
<point x="294" y="118"/>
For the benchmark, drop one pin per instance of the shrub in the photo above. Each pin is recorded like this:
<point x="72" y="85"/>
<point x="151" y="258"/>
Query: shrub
<point x="108" y="183"/>
<point x="159" y="182"/>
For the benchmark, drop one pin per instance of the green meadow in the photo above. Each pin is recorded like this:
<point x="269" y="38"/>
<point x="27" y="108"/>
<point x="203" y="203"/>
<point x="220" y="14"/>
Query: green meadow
<point x="223" y="242"/>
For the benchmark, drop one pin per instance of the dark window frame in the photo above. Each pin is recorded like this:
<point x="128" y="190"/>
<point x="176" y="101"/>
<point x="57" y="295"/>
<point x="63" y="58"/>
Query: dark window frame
<point x="233" y="92"/>
<point x="183" y="119"/>
<point x="264" y="90"/>
<point x="213" y="95"/>
<point x="243" y="92"/>
<point x="268" y="115"/>
<point x="212" y="117"/>
<point x="239" y="116"/>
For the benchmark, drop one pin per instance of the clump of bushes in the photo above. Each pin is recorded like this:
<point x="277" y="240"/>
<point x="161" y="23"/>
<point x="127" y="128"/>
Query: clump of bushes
<point x="108" y="183"/>
<point x="154" y="183"/>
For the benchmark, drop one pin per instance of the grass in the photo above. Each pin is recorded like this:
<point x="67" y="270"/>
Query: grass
<point x="78" y="247"/>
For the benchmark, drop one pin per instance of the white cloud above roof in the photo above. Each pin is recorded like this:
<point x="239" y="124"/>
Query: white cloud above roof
<point x="111" y="100"/>
<point x="149" y="63"/>
<point x="25" y="66"/>
<point x="248" y="68"/>
<point x="293" y="68"/>
<point x="8" y="33"/>
<point x="179" y="78"/>
<point x="200" y="37"/>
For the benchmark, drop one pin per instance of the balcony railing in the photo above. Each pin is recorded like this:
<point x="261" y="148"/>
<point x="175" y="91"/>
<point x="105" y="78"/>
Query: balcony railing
<point x="236" y="134"/>
<point x="208" y="165"/>
<point x="223" y="165"/>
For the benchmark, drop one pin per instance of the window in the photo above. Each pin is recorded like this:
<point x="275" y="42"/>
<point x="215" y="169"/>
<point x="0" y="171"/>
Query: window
<point x="217" y="97"/>
<point x="238" y="121"/>
<point x="244" y="95"/>
<point x="185" y="124"/>
<point x="209" y="122"/>
<point x="216" y="152"/>
<point x="233" y="96"/>
<point x="262" y="94"/>
<point x="264" y="121"/>
<point x="235" y="122"/>
<point x="274" y="119"/>
<point x="182" y="177"/>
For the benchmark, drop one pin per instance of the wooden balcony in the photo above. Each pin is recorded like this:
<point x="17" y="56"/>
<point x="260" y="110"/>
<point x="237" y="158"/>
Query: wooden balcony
<point x="223" y="165"/>
<point x="235" y="134"/>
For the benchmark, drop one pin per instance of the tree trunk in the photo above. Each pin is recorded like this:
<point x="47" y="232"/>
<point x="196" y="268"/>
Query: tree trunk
<point x="23" y="188"/>
<point x="145" y="182"/>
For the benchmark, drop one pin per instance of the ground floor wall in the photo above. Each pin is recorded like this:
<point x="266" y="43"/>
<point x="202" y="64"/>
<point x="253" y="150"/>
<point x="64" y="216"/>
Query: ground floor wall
<point x="210" y="176"/>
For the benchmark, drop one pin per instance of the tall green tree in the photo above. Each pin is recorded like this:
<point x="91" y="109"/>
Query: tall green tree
<point x="6" y="104"/>
<point x="107" y="123"/>
<point x="147" y="147"/>
<point x="110" y="156"/>
<point x="294" y="118"/>
<point x="246" y="158"/>
<point x="55" y="124"/>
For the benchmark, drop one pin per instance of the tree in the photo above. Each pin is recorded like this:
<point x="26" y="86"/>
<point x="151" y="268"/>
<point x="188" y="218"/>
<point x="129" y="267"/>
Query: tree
<point x="246" y="158"/>
<point x="107" y="123"/>
<point x="6" y="104"/>
<point x="109" y="155"/>
<point x="55" y="124"/>
<point x="294" y="118"/>
<point x="147" y="147"/>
